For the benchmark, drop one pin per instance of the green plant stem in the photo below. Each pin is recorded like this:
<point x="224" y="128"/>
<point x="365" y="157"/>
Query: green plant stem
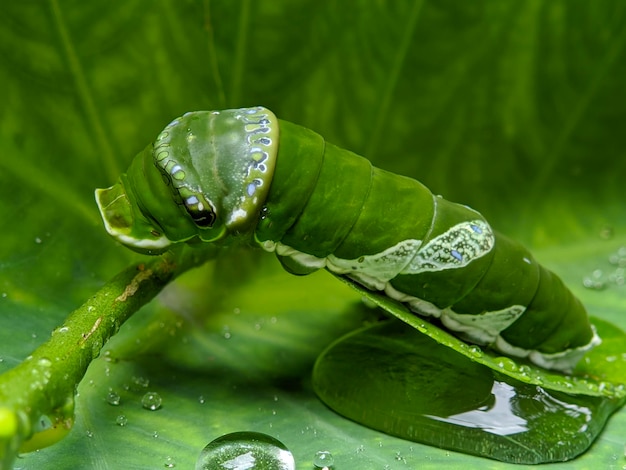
<point x="44" y="384"/>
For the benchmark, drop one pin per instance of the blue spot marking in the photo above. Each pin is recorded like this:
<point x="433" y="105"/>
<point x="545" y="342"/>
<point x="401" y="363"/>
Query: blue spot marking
<point x="251" y="189"/>
<point x="458" y="256"/>
<point x="476" y="228"/>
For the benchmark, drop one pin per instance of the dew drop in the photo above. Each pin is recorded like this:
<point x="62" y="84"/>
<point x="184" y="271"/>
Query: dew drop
<point x="108" y="357"/>
<point x="524" y="371"/>
<point x="607" y="387"/>
<point x="475" y="351"/>
<point x="142" y="382"/>
<point x="44" y="362"/>
<point x="113" y="398"/>
<point x="323" y="460"/>
<point x="121" y="420"/>
<point x="507" y="364"/>
<point x="618" y="277"/>
<point x="619" y="257"/>
<point x="245" y="451"/>
<point x="151" y="401"/>
<point x="226" y="332"/>
<point x="169" y="462"/>
<point x="595" y="280"/>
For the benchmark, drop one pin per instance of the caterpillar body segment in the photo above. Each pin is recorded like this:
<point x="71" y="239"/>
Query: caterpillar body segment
<point x="219" y="176"/>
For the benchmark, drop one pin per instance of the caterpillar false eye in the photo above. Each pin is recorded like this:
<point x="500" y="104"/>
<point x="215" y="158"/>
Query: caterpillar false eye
<point x="210" y="174"/>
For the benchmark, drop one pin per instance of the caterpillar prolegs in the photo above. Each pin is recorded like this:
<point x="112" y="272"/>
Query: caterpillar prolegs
<point x="214" y="175"/>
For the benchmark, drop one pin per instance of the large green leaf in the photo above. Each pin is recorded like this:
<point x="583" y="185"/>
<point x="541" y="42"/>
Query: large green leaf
<point x="394" y="378"/>
<point x="512" y="107"/>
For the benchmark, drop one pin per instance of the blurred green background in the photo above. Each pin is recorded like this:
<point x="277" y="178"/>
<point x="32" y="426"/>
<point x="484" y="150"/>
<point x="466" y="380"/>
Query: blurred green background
<point x="514" y="108"/>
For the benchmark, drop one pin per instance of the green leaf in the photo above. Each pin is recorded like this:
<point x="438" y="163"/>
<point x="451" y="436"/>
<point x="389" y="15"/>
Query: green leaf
<point x="514" y="108"/>
<point x="605" y="362"/>
<point x="394" y="378"/>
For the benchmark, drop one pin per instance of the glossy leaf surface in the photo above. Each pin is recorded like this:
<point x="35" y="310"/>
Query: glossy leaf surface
<point x="515" y="108"/>
<point x="601" y="373"/>
<point x="393" y="378"/>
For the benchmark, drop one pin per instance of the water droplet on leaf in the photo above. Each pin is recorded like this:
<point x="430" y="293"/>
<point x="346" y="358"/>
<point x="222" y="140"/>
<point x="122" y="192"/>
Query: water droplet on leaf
<point x="113" y="398"/>
<point x="475" y="351"/>
<point x="245" y="451"/>
<point x="151" y="401"/>
<point x="142" y="382"/>
<point x="323" y="459"/>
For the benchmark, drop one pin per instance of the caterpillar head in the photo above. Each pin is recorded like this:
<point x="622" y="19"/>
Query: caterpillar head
<point x="206" y="176"/>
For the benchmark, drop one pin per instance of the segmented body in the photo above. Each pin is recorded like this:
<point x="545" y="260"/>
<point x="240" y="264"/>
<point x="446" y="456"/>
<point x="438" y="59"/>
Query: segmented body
<point x="245" y="173"/>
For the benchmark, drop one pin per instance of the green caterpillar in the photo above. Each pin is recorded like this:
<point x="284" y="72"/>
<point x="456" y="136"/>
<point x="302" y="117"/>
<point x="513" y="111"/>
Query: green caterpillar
<point x="212" y="176"/>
